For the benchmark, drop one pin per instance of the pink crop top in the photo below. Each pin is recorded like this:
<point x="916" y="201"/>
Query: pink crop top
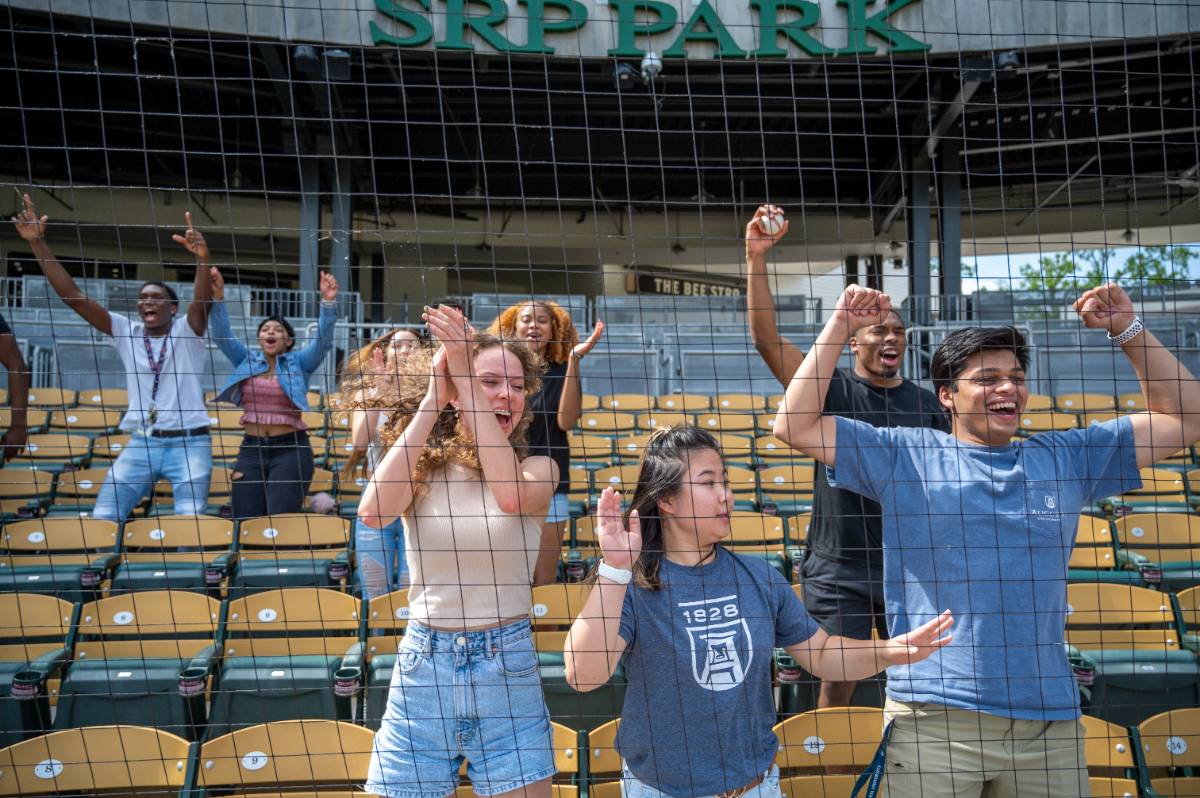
<point x="264" y="402"/>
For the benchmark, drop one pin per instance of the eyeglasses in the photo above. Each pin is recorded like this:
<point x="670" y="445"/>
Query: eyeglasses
<point x="992" y="382"/>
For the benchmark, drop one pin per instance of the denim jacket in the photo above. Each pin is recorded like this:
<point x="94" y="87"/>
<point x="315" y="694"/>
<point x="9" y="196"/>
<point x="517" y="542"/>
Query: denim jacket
<point x="293" y="368"/>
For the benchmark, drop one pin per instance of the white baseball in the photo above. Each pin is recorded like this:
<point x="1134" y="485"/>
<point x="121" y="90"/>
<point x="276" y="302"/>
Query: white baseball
<point x="771" y="223"/>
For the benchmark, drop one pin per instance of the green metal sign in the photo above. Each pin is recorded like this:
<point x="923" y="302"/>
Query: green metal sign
<point x="488" y="25"/>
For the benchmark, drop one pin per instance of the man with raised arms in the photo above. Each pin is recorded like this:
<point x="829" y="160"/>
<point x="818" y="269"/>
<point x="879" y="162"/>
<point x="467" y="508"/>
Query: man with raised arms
<point x="978" y="522"/>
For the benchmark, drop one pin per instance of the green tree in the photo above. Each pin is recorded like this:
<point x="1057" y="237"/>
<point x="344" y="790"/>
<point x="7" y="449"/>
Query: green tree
<point x="1163" y="265"/>
<point x="1066" y="271"/>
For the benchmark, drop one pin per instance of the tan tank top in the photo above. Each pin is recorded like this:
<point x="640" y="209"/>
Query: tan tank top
<point x="470" y="564"/>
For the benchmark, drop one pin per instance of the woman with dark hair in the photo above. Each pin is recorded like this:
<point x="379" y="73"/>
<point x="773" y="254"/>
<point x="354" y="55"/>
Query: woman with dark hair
<point x="696" y="626"/>
<point x="466" y="683"/>
<point x="275" y="463"/>
<point x="547" y="329"/>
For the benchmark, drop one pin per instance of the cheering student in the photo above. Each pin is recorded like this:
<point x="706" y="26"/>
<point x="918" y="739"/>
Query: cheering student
<point x="696" y="626"/>
<point x="466" y="683"/>
<point x="164" y="358"/>
<point x="976" y="521"/>
<point x="275" y="462"/>
<point x="842" y="569"/>
<point x="547" y="329"/>
<point x="13" y="441"/>
<point x="371" y="387"/>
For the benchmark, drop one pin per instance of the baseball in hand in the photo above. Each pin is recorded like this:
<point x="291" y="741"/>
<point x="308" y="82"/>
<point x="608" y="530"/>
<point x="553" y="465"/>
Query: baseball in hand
<point x="771" y="223"/>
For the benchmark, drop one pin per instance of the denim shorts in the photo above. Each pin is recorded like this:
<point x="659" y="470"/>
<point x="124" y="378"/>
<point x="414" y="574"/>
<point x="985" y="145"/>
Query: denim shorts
<point x="632" y="787"/>
<point x="454" y="696"/>
<point x="560" y="510"/>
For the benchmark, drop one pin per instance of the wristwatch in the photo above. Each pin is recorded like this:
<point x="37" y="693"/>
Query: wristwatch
<point x="618" y="575"/>
<point x="1134" y="329"/>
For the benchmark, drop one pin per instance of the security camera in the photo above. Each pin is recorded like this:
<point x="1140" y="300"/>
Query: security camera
<point x="651" y="66"/>
<point x="627" y="77"/>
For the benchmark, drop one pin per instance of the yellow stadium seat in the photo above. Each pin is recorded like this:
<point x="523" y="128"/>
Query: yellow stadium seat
<point x="284" y="652"/>
<point x="77" y="490"/>
<point x="132" y="653"/>
<point x="738" y="402"/>
<point x="604" y="761"/>
<point x="1189" y="606"/>
<point x="1106" y="616"/>
<point x="1088" y="419"/>
<point x="662" y="419"/>
<point x="742" y="481"/>
<point x="627" y="402"/>
<point x="622" y="478"/>
<point x="291" y="550"/>
<point x="848" y="738"/>
<point x="36" y="420"/>
<point x="789" y="487"/>
<point x="316" y="400"/>
<point x="607" y="422"/>
<point x="726" y="422"/>
<point x="33" y="629"/>
<point x="1046" y="422"/>
<point x="1165" y="544"/>
<point x="104" y="397"/>
<point x="52" y="397"/>
<point x="1080" y="402"/>
<point x="66" y="557"/>
<point x="1131" y="402"/>
<point x="1038" y="402"/>
<point x="177" y="552"/>
<point x="225" y="420"/>
<point x="682" y="402"/>
<point x="768" y="447"/>
<point x="593" y="450"/>
<point x="387" y="618"/>
<point x="798" y="529"/>
<point x="107" y="448"/>
<point x="589" y="401"/>
<point x="764" y="423"/>
<point x="735" y="446"/>
<point x="86" y="420"/>
<point x="54" y="451"/>
<point x="328" y="755"/>
<point x="583" y="537"/>
<point x="1170" y="742"/>
<point x="630" y="448"/>
<point x="1109" y="753"/>
<point x="553" y="610"/>
<point x="25" y="493"/>
<point x="225" y="447"/>
<point x="117" y="760"/>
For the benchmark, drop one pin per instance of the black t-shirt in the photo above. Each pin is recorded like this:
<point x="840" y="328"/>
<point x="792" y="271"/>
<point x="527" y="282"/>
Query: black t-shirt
<point x="847" y="528"/>
<point x="4" y="328"/>
<point x="545" y="437"/>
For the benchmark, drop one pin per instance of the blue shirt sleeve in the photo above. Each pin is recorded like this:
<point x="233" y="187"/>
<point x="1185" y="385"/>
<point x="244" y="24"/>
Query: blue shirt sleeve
<point x="793" y="624"/>
<point x="625" y="629"/>
<point x="1109" y="462"/>
<point x="864" y="457"/>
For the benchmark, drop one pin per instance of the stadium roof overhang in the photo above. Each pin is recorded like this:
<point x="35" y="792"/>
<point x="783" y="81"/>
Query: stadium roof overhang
<point x="537" y="156"/>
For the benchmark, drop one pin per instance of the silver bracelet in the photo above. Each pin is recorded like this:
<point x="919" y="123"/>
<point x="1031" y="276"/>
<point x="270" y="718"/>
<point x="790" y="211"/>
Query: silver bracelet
<point x="1134" y="329"/>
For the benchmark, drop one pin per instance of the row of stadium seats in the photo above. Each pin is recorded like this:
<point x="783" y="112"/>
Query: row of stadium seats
<point x="628" y="402"/>
<point x="155" y="656"/>
<point x="58" y="491"/>
<point x="74" y="558"/>
<point x="1158" y="757"/>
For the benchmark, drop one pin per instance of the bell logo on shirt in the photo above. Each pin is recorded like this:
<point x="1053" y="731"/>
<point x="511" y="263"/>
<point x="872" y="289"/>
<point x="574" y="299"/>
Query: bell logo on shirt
<point x="720" y="642"/>
<point x="1051" y="503"/>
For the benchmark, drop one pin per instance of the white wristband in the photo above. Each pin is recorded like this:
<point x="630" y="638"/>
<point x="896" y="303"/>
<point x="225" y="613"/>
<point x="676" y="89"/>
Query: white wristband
<point x="618" y="575"/>
<point x="1132" y="331"/>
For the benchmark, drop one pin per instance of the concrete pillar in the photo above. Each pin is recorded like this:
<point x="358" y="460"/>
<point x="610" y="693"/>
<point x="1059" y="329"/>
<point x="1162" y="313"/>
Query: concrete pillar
<point x="340" y="232"/>
<point x="310" y="221"/>
<point x="950" y="228"/>
<point x="919" y="280"/>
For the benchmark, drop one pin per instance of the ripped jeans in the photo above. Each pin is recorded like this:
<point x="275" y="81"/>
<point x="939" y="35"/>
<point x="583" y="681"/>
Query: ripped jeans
<point x="380" y="557"/>
<point x="272" y="475"/>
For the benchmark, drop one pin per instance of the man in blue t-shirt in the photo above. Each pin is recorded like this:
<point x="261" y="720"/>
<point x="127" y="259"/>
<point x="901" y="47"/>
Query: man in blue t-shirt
<point x="985" y="526"/>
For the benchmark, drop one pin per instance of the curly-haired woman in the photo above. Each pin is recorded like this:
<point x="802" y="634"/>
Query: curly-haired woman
<point x="466" y="683"/>
<point x="548" y="330"/>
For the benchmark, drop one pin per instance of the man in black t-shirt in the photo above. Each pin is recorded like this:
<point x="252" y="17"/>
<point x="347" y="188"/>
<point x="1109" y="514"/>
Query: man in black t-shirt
<point x="842" y="572"/>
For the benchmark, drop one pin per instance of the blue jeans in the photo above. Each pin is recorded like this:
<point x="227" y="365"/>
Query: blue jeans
<point x="462" y="695"/>
<point x="185" y="462"/>
<point x="632" y="787"/>
<point x="380" y="557"/>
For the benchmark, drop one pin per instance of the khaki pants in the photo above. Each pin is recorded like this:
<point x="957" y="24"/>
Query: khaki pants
<point x="938" y="752"/>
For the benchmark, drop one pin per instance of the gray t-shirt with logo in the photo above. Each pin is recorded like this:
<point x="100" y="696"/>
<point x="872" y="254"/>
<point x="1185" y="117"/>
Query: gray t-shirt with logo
<point x="699" y="707"/>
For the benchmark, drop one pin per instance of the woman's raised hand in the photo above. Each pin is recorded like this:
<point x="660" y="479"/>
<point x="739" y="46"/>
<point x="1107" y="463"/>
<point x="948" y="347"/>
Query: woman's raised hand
<point x="329" y="287"/>
<point x="619" y="546"/>
<point x="30" y="226"/>
<point x="441" y="387"/>
<point x="585" y="346"/>
<point x="452" y="331"/>
<point x="218" y="283"/>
